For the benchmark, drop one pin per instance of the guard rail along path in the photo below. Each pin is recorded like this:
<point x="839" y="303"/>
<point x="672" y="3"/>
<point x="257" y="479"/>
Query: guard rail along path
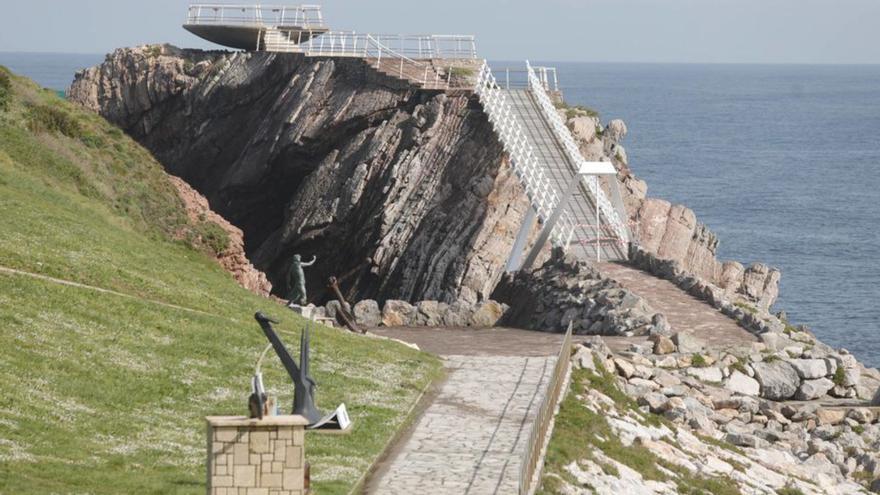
<point x="538" y="88"/>
<point x="532" y="456"/>
<point x="542" y="193"/>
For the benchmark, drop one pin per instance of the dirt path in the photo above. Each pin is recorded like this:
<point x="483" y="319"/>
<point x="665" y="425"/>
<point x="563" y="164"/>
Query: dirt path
<point x="471" y="434"/>
<point x="684" y="312"/>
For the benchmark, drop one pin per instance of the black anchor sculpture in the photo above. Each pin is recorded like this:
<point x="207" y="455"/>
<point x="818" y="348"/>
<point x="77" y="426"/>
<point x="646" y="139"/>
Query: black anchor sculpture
<point x="304" y="385"/>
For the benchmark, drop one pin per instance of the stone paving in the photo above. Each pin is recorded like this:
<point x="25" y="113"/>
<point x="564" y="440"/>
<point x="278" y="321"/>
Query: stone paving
<point x="471" y="437"/>
<point x="684" y="312"/>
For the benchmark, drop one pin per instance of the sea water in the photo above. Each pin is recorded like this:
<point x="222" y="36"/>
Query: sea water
<point x="781" y="161"/>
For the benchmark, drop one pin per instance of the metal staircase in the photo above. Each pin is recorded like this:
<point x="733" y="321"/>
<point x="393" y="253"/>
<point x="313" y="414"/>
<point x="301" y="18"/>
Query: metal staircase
<point x="547" y="161"/>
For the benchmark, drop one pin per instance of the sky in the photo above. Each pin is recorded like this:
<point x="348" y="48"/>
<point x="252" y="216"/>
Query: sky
<point x="687" y="31"/>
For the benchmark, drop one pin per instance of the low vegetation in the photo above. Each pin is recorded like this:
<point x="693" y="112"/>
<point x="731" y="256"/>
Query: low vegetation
<point x="106" y="393"/>
<point x="579" y="433"/>
<point x="572" y="111"/>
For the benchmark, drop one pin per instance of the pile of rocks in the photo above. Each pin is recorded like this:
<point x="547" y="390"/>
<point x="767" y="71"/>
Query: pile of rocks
<point x="567" y="290"/>
<point x="801" y="369"/>
<point x="396" y="313"/>
<point x="736" y="396"/>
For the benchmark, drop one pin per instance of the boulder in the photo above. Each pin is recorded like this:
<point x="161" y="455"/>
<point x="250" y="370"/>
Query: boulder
<point x="366" y="313"/>
<point x="458" y="314"/>
<point x="813" y="389"/>
<point x="663" y="344"/>
<point x="430" y="313"/>
<point x="746" y="440"/>
<point x="742" y="384"/>
<point x="398" y="313"/>
<point x="486" y="314"/>
<point x="656" y="402"/>
<point x="810" y="369"/>
<point x="710" y="374"/>
<point x="862" y="415"/>
<point x="624" y="368"/>
<point x="687" y="343"/>
<point x="830" y="416"/>
<point x="778" y="379"/>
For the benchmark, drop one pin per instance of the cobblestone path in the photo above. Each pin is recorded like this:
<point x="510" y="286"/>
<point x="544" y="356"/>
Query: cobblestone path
<point x="471" y="437"/>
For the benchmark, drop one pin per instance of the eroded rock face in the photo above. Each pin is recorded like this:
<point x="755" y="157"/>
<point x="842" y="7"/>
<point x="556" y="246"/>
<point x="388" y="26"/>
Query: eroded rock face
<point x="233" y="258"/>
<point x="401" y="193"/>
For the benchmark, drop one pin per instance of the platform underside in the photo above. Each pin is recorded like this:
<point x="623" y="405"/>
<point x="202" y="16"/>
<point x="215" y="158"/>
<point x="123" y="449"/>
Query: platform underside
<point x="246" y="37"/>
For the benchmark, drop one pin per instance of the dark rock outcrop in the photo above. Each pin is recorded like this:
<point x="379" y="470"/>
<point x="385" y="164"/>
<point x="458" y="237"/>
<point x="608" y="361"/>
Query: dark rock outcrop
<point x="402" y="193"/>
<point x="566" y="290"/>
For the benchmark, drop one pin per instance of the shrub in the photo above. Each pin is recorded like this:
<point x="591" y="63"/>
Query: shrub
<point x="45" y="118"/>
<point x="5" y="88"/>
<point x="839" y="376"/>
<point x="461" y="71"/>
<point x="213" y="236"/>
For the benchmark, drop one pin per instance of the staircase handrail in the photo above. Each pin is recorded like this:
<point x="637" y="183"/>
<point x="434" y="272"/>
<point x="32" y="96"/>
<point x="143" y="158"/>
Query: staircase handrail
<point x="541" y="193"/>
<point x="574" y="154"/>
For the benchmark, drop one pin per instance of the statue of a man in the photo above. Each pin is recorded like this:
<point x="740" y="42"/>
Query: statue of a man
<point x="296" y="280"/>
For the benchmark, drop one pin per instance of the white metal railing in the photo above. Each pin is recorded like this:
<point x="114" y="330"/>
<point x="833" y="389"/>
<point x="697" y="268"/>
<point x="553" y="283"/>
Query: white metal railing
<point x="364" y="46"/>
<point x="517" y="78"/>
<point x="342" y="43"/>
<point x="300" y="16"/>
<point x="537" y="88"/>
<point x="531" y="173"/>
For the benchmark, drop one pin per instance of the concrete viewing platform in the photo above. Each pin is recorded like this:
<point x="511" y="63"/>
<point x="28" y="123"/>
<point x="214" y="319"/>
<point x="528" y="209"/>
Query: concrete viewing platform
<point x="245" y="26"/>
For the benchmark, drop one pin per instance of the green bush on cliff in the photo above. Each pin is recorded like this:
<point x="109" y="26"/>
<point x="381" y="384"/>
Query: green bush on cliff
<point x="5" y="88"/>
<point x="213" y="236"/>
<point x="46" y="118"/>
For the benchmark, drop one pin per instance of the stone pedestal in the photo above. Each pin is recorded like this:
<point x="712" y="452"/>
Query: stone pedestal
<point x="256" y="457"/>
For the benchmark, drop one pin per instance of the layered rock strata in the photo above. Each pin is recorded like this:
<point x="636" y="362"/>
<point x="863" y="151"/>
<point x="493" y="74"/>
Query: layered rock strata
<point x="401" y="193"/>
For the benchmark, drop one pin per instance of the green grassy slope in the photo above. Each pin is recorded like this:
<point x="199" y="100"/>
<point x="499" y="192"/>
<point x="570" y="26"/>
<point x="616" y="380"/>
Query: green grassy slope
<point x="106" y="394"/>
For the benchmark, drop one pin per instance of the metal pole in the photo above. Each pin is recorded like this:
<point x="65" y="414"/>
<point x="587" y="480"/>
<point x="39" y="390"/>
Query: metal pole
<point x="513" y="261"/>
<point x="598" y="227"/>
<point x="551" y="222"/>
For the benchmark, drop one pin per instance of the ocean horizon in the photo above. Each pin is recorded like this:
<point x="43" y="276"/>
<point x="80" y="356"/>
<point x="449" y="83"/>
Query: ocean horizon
<point x="779" y="160"/>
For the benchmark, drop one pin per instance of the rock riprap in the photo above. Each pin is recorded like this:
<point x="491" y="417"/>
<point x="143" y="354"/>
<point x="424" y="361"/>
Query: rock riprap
<point x="565" y="290"/>
<point x="806" y="446"/>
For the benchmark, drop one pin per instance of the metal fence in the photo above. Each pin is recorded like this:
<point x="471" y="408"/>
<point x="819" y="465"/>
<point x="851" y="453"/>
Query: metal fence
<point x="348" y="43"/>
<point x="301" y="16"/>
<point x="532" y="453"/>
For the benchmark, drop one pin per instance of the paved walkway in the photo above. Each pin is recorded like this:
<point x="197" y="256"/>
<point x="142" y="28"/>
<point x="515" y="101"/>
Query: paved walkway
<point x="684" y="312"/>
<point x="471" y="436"/>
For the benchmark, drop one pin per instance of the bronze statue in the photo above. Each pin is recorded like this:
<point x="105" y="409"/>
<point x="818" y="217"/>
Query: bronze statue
<point x="296" y="280"/>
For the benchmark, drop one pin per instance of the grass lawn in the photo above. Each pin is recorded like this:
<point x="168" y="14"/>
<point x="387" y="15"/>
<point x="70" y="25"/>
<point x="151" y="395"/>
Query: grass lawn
<point x="105" y="394"/>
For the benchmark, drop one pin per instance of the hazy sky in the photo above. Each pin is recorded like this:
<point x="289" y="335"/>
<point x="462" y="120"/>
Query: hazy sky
<point x="763" y="31"/>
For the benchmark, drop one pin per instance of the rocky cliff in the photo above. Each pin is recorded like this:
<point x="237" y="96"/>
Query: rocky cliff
<point x="672" y="232"/>
<point x="402" y="193"/>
